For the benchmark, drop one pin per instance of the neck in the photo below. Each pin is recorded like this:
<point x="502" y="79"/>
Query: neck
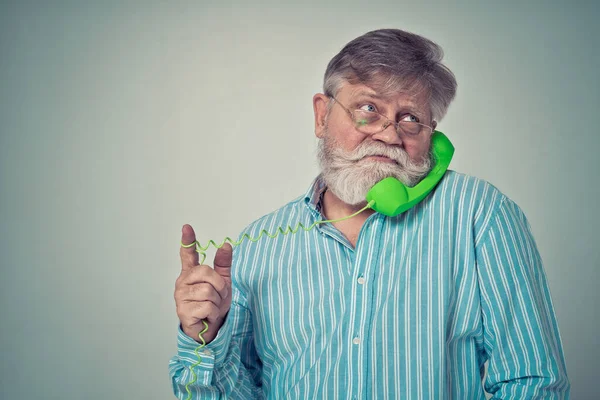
<point x="335" y="208"/>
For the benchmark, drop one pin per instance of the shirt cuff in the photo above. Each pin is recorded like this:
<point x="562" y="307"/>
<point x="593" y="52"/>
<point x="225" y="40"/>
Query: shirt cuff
<point x="213" y="353"/>
<point x="202" y="364"/>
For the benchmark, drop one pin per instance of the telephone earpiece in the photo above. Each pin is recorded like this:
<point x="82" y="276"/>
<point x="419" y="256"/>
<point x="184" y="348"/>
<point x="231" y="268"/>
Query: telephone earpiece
<point x="391" y="197"/>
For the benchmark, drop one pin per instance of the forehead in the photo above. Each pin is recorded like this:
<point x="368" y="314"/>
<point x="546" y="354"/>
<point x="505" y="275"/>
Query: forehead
<point x="418" y="99"/>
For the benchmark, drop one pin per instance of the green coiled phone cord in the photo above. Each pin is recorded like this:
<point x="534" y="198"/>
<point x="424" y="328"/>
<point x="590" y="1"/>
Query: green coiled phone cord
<point x="202" y="251"/>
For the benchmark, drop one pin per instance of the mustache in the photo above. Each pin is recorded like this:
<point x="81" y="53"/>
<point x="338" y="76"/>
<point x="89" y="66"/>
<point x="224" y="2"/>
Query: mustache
<point x="397" y="154"/>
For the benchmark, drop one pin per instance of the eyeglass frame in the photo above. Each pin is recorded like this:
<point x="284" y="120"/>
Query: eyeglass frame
<point x="387" y="121"/>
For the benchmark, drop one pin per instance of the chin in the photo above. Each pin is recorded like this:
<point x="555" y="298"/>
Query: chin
<point x="351" y="185"/>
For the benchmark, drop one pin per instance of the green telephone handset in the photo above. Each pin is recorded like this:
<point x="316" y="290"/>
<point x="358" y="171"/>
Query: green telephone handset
<point x="391" y="197"/>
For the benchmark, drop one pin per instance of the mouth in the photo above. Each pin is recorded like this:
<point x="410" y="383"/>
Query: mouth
<point x="380" y="158"/>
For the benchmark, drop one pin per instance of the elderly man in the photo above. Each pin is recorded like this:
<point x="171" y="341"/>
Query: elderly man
<point x="407" y="306"/>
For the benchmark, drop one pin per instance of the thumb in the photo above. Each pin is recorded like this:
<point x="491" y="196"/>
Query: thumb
<point x="222" y="264"/>
<point x="189" y="255"/>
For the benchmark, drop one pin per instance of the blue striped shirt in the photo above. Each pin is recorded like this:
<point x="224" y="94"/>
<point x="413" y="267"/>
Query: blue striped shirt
<point x="414" y="311"/>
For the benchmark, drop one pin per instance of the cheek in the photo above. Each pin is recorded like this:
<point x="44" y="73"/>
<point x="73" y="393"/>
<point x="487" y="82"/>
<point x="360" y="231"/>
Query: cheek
<point x="416" y="151"/>
<point x="346" y="139"/>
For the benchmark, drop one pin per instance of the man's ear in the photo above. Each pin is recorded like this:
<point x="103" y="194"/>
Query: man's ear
<point x="433" y="124"/>
<point x="320" y="107"/>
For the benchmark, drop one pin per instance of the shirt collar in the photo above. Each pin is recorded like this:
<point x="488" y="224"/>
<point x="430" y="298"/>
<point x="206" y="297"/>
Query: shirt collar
<point x="314" y="194"/>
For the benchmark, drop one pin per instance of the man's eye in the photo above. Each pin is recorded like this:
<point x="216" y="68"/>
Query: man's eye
<point x="368" y="107"/>
<point x="409" y="118"/>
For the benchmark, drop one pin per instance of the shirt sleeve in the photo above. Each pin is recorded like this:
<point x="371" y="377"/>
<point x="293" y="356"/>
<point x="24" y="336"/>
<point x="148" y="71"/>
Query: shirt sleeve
<point x="228" y="367"/>
<point x="521" y="337"/>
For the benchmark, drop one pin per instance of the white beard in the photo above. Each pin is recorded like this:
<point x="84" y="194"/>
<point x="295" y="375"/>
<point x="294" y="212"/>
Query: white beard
<point x="350" y="179"/>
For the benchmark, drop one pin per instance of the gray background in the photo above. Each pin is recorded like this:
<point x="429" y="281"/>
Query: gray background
<point x="121" y="122"/>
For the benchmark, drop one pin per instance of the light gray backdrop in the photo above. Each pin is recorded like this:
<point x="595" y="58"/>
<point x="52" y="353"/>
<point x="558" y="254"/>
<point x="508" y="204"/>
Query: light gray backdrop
<point x="121" y="122"/>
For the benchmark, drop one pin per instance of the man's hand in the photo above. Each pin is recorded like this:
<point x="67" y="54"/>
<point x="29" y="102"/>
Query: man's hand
<point x="201" y="292"/>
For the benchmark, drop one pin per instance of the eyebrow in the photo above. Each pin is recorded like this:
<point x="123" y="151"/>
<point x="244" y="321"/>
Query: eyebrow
<point x="409" y="107"/>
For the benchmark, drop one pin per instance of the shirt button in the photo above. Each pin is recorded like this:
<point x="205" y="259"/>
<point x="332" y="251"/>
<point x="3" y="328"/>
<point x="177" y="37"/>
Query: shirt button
<point x="361" y="281"/>
<point x="356" y="340"/>
<point x="207" y="352"/>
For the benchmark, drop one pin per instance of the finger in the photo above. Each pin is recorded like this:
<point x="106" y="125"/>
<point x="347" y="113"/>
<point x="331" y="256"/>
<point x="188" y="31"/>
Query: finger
<point x="200" y="292"/>
<point x="195" y="312"/>
<point x="189" y="255"/>
<point x="223" y="261"/>
<point x="205" y="274"/>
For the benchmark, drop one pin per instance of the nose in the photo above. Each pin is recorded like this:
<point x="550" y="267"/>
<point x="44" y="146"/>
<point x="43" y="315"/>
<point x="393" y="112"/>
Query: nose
<point x="387" y="135"/>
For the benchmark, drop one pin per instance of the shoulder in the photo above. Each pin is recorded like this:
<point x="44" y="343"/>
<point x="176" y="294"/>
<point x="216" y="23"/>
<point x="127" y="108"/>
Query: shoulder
<point x="465" y="191"/>
<point x="458" y="183"/>
<point x="288" y="215"/>
<point x="469" y="199"/>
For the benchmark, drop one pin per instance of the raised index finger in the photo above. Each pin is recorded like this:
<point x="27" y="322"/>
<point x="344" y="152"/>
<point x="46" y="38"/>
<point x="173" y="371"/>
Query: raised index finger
<point x="189" y="255"/>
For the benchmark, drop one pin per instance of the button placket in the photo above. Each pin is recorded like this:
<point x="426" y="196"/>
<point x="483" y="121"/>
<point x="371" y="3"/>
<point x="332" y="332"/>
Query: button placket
<point x="367" y="257"/>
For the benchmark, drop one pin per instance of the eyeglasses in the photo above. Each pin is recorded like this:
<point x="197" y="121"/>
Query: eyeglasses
<point x="371" y="122"/>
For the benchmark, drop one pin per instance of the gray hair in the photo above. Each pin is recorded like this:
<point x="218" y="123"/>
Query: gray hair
<point x="392" y="60"/>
